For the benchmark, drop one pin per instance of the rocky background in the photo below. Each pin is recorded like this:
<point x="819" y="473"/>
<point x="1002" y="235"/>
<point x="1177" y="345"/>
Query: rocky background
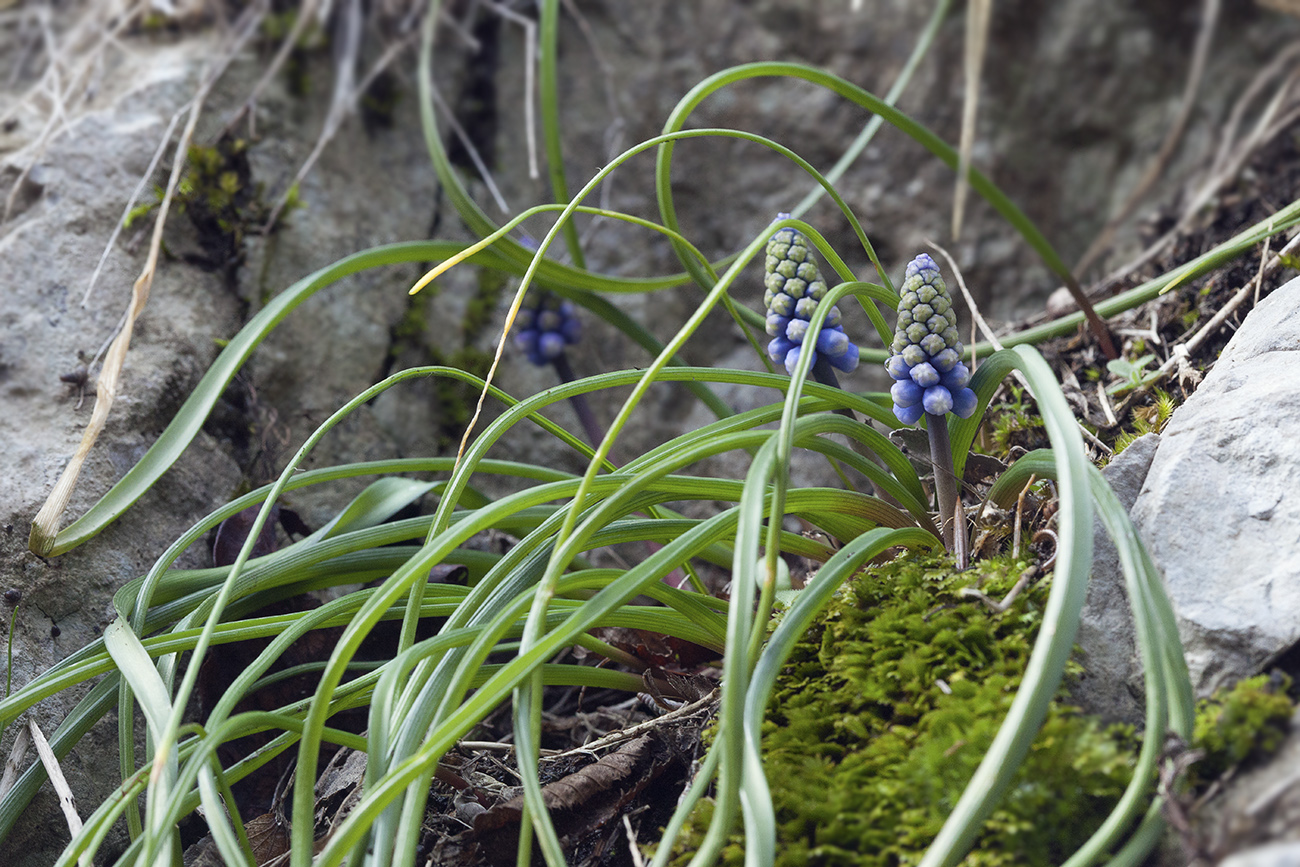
<point x="1076" y="99"/>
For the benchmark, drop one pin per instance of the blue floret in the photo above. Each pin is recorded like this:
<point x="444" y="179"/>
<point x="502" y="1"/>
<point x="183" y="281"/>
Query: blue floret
<point x="937" y="400"/>
<point x="956" y="378"/>
<point x="909" y="414"/>
<point x="906" y="393"/>
<point x="832" y="342"/>
<point x="925" y="375"/>
<point x="898" y="368"/>
<point x="964" y="402"/>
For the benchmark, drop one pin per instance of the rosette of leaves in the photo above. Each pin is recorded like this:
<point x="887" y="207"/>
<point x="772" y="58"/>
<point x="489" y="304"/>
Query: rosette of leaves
<point x="793" y="288"/>
<point x="928" y="374"/>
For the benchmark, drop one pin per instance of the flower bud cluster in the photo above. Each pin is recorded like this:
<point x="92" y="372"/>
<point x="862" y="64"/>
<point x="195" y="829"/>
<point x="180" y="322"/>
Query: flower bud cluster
<point x="794" y="287"/>
<point x="926" y="366"/>
<point x="546" y="328"/>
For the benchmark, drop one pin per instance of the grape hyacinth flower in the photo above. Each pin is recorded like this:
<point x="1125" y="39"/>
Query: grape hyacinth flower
<point x="546" y="329"/>
<point x="794" y="286"/>
<point x="931" y="380"/>
<point x="929" y="376"/>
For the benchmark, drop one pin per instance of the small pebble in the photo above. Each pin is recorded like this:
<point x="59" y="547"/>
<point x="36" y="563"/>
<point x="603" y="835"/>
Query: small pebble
<point x="1060" y="303"/>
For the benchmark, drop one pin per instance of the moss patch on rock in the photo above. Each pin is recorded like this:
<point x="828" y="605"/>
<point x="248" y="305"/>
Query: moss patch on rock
<point x="1237" y="725"/>
<point x="424" y="330"/>
<point x="884" y="711"/>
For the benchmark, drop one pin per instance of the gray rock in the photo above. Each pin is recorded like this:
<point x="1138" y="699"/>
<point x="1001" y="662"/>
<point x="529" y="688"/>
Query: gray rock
<point x="50" y="246"/>
<point x="1111" y="685"/>
<point x="1253" y="819"/>
<point x="1220" y="509"/>
<point x="1272" y="855"/>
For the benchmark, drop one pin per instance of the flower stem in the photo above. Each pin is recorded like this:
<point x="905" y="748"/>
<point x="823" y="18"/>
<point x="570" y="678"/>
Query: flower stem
<point x="945" y="479"/>
<point x="595" y="434"/>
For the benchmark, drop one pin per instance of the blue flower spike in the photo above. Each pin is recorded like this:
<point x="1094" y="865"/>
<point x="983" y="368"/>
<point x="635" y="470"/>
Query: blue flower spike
<point x="926" y="366"/>
<point x="930" y="380"/>
<point x="794" y="286"/>
<point x="546" y="329"/>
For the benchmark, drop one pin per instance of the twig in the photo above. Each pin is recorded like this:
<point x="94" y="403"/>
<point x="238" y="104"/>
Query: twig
<point x="640" y="728"/>
<point x="1104" y="400"/>
<point x="305" y="13"/>
<point x="613" y="137"/>
<point x="961" y="533"/>
<point x="25" y="44"/>
<point x="46" y="523"/>
<point x="445" y="19"/>
<point x="496" y="747"/>
<point x="1150" y="334"/>
<point x="1227" y="166"/>
<point x="1195" y="72"/>
<point x="1271" y="794"/>
<point x="1266" y="126"/>
<point x="345" y="96"/>
<point x="130" y="203"/>
<point x="1259" y="275"/>
<point x="90" y="26"/>
<point x="637" y="860"/>
<point x="1186" y="349"/>
<point x="1020" y="510"/>
<point x="530" y="79"/>
<point x="999" y="607"/>
<point x="1283" y="62"/>
<point x="28" y="45"/>
<point x="472" y="151"/>
<point x="14" y="764"/>
<point x="975" y="315"/>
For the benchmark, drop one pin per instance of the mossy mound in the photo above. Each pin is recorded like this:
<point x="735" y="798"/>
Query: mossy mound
<point x="1237" y="725"/>
<point x="882" y="714"/>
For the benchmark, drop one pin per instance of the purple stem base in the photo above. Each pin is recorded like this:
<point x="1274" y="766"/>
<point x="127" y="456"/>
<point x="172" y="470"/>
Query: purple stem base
<point x="579" y="403"/>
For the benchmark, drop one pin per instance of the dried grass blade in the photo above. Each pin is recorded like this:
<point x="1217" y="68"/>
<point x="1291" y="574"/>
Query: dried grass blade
<point x="45" y="525"/>
<point x="66" y="802"/>
<point x="977" y="37"/>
